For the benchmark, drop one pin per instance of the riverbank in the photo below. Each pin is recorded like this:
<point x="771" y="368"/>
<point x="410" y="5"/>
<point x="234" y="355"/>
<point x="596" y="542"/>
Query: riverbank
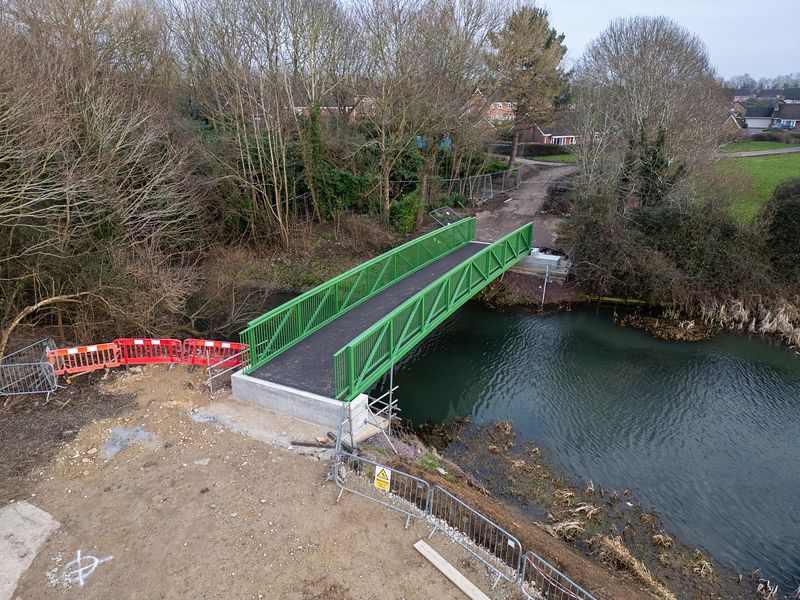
<point x="610" y="526"/>
<point x="780" y="321"/>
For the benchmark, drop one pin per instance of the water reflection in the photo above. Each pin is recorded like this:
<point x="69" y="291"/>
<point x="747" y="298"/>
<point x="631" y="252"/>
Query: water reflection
<point x="705" y="432"/>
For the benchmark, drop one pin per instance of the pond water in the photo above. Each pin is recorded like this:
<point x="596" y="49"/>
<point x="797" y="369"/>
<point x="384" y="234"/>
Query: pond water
<point x="707" y="433"/>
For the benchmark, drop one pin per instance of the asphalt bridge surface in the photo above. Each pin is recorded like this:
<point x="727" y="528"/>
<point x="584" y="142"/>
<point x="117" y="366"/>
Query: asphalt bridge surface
<point x="308" y="365"/>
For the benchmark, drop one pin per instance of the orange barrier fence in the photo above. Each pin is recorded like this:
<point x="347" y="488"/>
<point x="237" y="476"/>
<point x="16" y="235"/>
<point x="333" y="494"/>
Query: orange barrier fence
<point x="211" y="352"/>
<point x="149" y="351"/>
<point x="84" y="358"/>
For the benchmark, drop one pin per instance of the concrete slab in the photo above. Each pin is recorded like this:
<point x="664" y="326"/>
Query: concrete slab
<point x="23" y="529"/>
<point x="299" y="404"/>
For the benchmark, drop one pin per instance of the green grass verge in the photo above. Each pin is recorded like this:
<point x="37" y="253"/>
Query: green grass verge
<point x="766" y="172"/>
<point x="752" y="146"/>
<point x="565" y="158"/>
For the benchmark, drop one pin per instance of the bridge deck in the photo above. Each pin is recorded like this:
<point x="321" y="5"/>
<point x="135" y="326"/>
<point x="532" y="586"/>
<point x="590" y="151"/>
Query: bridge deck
<point x="308" y="365"/>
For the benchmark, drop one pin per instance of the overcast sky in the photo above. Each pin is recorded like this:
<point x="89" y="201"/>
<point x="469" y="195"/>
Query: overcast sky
<point x="742" y="36"/>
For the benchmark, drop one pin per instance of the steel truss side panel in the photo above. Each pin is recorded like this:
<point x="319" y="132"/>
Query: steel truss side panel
<point x="364" y="360"/>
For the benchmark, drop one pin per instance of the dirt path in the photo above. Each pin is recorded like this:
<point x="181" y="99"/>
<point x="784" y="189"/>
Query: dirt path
<point x="196" y="511"/>
<point x="498" y="217"/>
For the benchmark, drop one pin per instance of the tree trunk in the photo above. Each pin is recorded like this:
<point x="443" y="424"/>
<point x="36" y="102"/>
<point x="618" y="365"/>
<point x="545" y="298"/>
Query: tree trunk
<point x="387" y="201"/>
<point x="514" y="144"/>
<point x="422" y="197"/>
<point x="6" y="333"/>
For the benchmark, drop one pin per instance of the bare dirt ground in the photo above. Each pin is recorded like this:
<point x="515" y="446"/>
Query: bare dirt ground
<point x="501" y="215"/>
<point x="195" y="510"/>
<point x="504" y="214"/>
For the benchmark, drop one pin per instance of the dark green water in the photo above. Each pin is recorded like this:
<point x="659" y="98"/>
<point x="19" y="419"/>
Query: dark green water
<point x="707" y="433"/>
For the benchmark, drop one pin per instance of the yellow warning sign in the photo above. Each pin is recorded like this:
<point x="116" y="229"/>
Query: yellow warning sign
<point x="383" y="477"/>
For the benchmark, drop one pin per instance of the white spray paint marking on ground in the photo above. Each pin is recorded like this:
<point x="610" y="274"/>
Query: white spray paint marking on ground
<point x="78" y="570"/>
<point x="23" y="529"/>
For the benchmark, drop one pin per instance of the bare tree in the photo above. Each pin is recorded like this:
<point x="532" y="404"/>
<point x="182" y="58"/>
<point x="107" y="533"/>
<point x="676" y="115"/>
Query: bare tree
<point x="646" y="85"/>
<point x="231" y="53"/>
<point x="95" y="191"/>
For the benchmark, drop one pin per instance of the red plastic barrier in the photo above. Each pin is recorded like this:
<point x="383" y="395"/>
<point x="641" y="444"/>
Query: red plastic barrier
<point x="211" y="352"/>
<point x="84" y="358"/>
<point x="149" y="351"/>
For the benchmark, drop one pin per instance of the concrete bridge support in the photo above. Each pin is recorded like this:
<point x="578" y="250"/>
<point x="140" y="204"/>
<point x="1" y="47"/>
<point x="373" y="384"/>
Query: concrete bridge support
<point x="308" y="406"/>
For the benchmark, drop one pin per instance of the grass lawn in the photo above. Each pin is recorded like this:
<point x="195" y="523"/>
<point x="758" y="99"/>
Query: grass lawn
<point x="557" y="158"/>
<point x="766" y="172"/>
<point x="752" y="146"/>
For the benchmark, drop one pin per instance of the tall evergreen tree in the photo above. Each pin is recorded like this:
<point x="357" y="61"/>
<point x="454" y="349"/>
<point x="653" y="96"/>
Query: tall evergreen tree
<point x="525" y="66"/>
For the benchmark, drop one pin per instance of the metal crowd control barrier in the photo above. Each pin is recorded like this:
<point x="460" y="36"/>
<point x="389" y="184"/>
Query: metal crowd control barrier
<point x="484" y="539"/>
<point x="454" y="517"/>
<point x="226" y="366"/>
<point x="549" y="582"/>
<point x="28" y="370"/>
<point x="149" y="351"/>
<point x="395" y="485"/>
<point x="82" y="359"/>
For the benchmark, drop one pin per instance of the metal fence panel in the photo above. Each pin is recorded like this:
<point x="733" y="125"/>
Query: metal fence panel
<point x="28" y="370"/>
<point x="226" y="366"/>
<point x="27" y="378"/>
<point x="356" y="474"/>
<point x="452" y="516"/>
<point x="548" y="583"/>
<point x="35" y="352"/>
<point x="277" y="330"/>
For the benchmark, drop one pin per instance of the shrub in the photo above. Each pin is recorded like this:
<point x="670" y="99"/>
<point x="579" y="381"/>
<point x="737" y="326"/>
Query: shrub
<point x="494" y="166"/>
<point x="776" y="135"/>
<point x="783" y="232"/>
<point x="403" y="213"/>
<point x="340" y="190"/>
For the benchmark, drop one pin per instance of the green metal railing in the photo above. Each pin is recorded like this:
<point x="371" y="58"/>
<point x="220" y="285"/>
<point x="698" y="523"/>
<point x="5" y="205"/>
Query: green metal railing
<point x="364" y="360"/>
<point x="272" y="333"/>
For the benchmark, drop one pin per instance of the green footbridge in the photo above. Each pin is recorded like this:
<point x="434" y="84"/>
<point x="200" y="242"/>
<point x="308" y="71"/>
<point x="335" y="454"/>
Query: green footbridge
<point x="339" y="338"/>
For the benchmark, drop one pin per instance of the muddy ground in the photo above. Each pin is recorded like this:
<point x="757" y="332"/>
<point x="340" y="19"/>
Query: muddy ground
<point x="193" y="510"/>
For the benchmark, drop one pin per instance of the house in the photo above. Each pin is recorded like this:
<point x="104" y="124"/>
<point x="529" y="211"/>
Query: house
<point x="791" y="95"/>
<point x="786" y="116"/>
<point x="492" y="110"/>
<point x="769" y="94"/>
<point x="500" y="111"/>
<point x="562" y="131"/>
<point x="743" y="94"/>
<point x="759" y="116"/>
<point x="731" y="125"/>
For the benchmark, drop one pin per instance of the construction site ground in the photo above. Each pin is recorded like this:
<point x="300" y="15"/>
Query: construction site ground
<point x="142" y="475"/>
<point x="198" y="511"/>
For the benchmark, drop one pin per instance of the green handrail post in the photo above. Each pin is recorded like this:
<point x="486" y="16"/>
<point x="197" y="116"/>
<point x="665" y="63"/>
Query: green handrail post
<point x="351" y="371"/>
